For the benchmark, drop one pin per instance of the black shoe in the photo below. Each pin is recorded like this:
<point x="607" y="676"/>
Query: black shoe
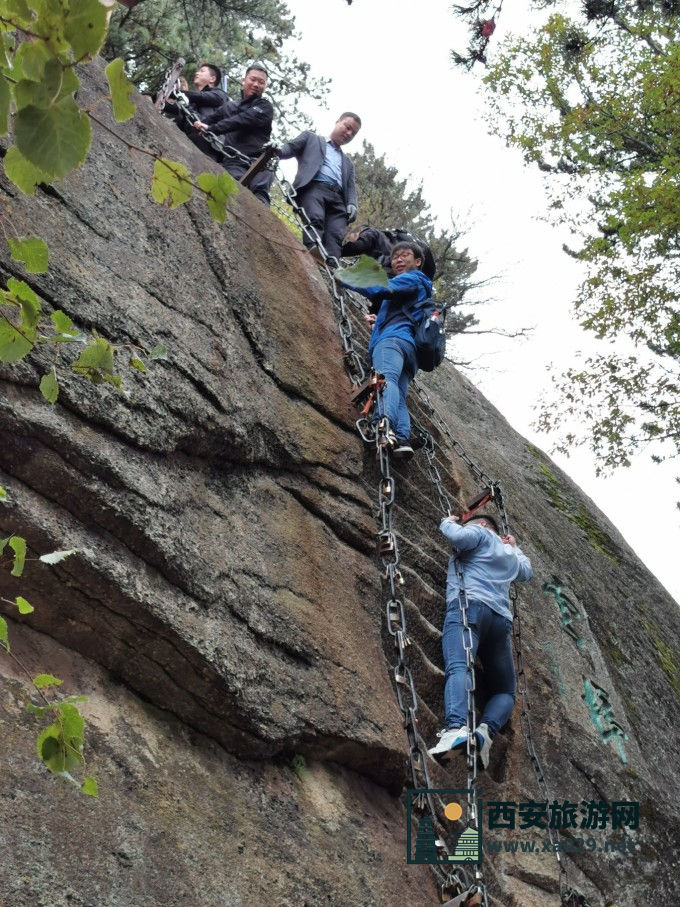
<point x="402" y="450"/>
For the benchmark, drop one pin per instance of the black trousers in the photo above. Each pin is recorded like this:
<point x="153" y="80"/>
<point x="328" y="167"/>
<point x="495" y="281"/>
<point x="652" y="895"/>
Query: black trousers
<point x="326" y="210"/>
<point x="261" y="183"/>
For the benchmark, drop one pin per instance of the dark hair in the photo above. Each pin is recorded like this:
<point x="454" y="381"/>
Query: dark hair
<point x="483" y="516"/>
<point x="215" y="70"/>
<point x="413" y="246"/>
<point x="348" y="113"/>
<point x="260" y="67"/>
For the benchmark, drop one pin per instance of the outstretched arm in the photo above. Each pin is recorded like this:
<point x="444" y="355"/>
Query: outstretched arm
<point x="463" y="538"/>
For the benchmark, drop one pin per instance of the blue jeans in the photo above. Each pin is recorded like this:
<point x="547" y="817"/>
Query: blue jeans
<point x="395" y="357"/>
<point x="491" y="639"/>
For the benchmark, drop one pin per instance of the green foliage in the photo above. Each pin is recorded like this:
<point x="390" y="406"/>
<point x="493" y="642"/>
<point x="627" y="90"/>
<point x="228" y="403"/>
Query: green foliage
<point x="121" y="89"/>
<point x="171" y="184"/>
<point x="18" y="545"/>
<point x="155" y="33"/>
<point x="218" y="190"/>
<point x="32" y="252"/>
<point x="24" y="606"/>
<point x="49" y="386"/>
<point x="593" y="99"/>
<point x="299" y="765"/>
<point x="365" y="272"/>
<point x="4" y="637"/>
<point x="386" y="201"/>
<point x="60" y="744"/>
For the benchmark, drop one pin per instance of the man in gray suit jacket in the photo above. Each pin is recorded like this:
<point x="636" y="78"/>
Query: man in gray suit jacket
<point x="324" y="183"/>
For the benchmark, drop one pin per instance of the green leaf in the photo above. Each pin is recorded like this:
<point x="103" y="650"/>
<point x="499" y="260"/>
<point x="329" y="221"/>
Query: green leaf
<point x="42" y="93"/>
<point x="24" y="606"/>
<point x="59" y="706"/>
<point x="95" y="361"/>
<point x="85" y="27"/>
<point x="42" y="681"/>
<point x="365" y="273"/>
<point x="4" y="638"/>
<point x="159" y="352"/>
<point x="55" y="140"/>
<point x="57" y="556"/>
<point x="171" y="185"/>
<point x="51" y="750"/>
<point x="90" y="787"/>
<point x="31" y="309"/>
<point x="60" y="745"/>
<point x="5" y="98"/>
<point x="49" y="386"/>
<point x="121" y="89"/>
<point x="74" y="725"/>
<point x="18" y="11"/>
<point x="138" y="364"/>
<point x="30" y="60"/>
<point x="18" y="545"/>
<point x="58" y="82"/>
<point x="23" y="173"/>
<point x="32" y="251"/>
<point x="3" y="543"/>
<point x="114" y="380"/>
<point x="13" y="345"/>
<point x="218" y="189"/>
<point x="61" y="321"/>
<point x="3" y="497"/>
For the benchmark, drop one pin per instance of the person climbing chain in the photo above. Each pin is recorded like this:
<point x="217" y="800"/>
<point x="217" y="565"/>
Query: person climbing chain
<point x="392" y="349"/>
<point x="487" y="564"/>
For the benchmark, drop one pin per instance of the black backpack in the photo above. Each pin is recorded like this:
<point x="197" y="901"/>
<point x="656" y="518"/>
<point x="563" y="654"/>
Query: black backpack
<point x="429" y="335"/>
<point x="429" y="267"/>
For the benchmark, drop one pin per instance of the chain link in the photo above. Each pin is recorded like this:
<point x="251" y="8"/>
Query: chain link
<point x="388" y="549"/>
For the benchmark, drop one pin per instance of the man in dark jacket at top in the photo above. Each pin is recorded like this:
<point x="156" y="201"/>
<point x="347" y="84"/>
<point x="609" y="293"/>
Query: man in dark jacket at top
<point x="325" y="183"/>
<point x="246" y="125"/>
<point x="362" y="239"/>
<point x="206" y="98"/>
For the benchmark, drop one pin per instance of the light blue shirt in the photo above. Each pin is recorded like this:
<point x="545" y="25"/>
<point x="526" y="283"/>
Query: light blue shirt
<point x="331" y="169"/>
<point x="489" y="566"/>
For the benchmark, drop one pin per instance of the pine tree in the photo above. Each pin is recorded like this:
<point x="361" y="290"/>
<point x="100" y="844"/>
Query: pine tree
<point x="154" y="33"/>
<point x="386" y="201"/>
<point x="592" y="97"/>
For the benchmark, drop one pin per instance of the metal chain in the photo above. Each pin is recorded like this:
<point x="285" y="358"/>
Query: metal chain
<point x="353" y="365"/>
<point x="406" y="694"/>
<point x="568" y="896"/>
<point x="225" y="151"/>
<point x="407" y="697"/>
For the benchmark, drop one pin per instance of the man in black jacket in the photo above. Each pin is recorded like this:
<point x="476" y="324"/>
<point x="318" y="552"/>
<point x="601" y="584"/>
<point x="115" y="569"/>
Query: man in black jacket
<point x="325" y="183"/>
<point x="245" y="125"/>
<point x="204" y="100"/>
<point x="363" y="239"/>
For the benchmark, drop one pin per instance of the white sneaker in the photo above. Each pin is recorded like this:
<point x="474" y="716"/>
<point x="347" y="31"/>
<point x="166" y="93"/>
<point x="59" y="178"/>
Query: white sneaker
<point x="483" y="742"/>
<point x="449" y="740"/>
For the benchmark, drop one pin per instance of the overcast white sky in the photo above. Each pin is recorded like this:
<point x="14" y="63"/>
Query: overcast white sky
<point x="390" y="62"/>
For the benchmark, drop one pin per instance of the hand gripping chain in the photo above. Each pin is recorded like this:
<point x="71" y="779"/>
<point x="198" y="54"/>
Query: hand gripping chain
<point x="388" y="550"/>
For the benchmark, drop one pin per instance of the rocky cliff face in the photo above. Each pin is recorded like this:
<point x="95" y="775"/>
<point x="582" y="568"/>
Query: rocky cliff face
<point x="225" y="610"/>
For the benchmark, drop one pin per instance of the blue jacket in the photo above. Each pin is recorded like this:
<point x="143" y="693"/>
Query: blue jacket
<point x="489" y="566"/>
<point x="406" y="291"/>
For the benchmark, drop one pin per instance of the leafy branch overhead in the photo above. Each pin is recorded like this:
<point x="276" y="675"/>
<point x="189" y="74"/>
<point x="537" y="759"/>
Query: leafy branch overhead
<point x="591" y="96"/>
<point x="60" y="744"/>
